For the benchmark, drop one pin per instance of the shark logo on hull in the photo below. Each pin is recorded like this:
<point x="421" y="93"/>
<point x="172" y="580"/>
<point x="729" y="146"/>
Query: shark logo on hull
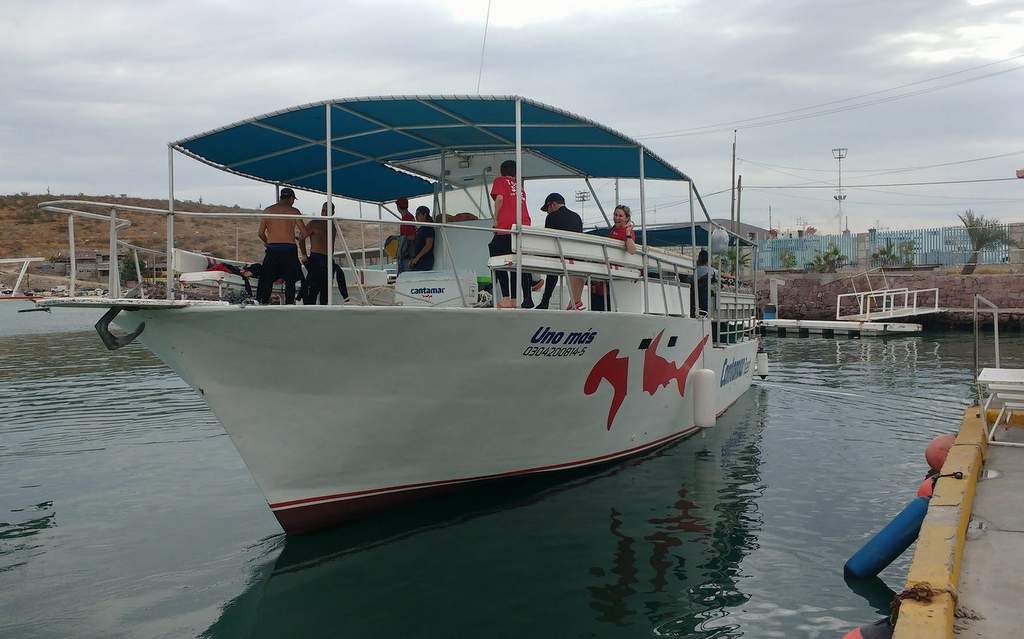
<point x="658" y="373"/>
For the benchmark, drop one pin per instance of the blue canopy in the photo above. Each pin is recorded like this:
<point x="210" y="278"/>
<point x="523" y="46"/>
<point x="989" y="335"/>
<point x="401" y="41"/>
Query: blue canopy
<point x="384" y="148"/>
<point x="678" y="235"/>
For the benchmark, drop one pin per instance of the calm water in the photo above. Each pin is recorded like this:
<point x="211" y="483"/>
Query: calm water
<point x="125" y="511"/>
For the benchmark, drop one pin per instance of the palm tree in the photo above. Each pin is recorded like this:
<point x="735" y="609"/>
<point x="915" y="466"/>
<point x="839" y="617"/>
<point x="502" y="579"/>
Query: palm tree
<point x="885" y="255"/>
<point x="828" y="262"/>
<point x="984" y="233"/>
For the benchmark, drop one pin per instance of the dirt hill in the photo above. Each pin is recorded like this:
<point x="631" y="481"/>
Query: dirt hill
<point x="27" y="231"/>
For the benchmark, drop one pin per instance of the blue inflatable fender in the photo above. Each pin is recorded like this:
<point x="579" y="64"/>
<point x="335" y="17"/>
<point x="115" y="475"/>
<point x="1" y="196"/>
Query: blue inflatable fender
<point x="890" y="542"/>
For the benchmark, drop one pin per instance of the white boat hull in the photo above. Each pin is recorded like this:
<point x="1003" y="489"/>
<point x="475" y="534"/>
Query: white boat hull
<point x="339" y="411"/>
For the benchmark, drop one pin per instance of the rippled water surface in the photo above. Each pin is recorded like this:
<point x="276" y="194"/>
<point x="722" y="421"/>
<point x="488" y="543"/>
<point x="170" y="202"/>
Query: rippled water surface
<point x="125" y="511"/>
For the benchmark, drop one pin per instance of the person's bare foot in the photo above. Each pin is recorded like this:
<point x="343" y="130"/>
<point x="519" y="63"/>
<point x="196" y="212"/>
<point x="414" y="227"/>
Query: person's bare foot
<point x="507" y="302"/>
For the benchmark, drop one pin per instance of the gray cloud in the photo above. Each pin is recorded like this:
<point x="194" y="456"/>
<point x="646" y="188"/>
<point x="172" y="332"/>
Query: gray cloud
<point x="94" y="91"/>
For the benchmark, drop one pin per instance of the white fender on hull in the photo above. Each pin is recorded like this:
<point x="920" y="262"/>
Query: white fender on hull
<point x="761" y="365"/>
<point x="704" y="401"/>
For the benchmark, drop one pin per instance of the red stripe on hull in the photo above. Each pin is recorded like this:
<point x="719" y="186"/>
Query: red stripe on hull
<point x="301" y="516"/>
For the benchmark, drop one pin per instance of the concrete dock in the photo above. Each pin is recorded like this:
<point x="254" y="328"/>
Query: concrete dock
<point x="969" y="559"/>
<point x="992" y="566"/>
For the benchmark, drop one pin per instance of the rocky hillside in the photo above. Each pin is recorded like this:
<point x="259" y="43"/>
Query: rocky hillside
<point x="27" y="231"/>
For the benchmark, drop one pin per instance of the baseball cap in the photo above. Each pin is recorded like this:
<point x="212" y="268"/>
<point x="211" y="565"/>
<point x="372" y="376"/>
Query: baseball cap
<point x="402" y="202"/>
<point x="287" y="192"/>
<point x="552" y="197"/>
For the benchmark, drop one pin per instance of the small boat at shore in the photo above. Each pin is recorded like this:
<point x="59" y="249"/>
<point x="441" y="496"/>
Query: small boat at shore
<point x="340" y="410"/>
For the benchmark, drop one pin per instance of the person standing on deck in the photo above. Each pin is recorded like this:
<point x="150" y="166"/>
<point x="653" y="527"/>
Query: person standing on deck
<point x="281" y="260"/>
<point x="423" y="248"/>
<point x="561" y="218"/>
<point x="503" y="192"/>
<point x="407" y="234"/>
<point x="316" y="263"/>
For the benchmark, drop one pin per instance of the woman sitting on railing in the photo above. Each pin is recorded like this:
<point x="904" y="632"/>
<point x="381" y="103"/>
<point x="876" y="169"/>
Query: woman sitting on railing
<point x="622" y="229"/>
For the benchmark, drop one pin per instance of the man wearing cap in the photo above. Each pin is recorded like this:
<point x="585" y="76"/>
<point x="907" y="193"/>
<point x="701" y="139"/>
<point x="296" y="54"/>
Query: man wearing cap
<point x="407" y="234"/>
<point x="281" y="260"/>
<point x="561" y="218"/>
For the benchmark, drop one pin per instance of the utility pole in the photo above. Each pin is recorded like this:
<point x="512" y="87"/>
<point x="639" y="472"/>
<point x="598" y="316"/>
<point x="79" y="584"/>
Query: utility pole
<point x="732" y="185"/>
<point x="839" y="154"/>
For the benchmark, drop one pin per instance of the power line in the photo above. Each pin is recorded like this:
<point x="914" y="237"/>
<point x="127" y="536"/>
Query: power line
<point x="856" y="186"/>
<point x="880" y="171"/>
<point x="762" y="120"/>
<point x="483" y="47"/>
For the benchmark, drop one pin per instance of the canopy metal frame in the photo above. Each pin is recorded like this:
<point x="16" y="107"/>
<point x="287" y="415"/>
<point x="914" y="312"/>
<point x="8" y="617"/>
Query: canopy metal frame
<point x="432" y="150"/>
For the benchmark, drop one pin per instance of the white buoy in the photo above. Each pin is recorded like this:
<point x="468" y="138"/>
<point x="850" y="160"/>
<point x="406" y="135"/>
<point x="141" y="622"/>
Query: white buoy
<point x="762" y="364"/>
<point x="704" y="408"/>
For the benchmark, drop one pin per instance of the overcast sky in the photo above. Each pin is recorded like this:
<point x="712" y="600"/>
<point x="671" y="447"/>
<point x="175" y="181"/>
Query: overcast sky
<point x="93" y="91"/>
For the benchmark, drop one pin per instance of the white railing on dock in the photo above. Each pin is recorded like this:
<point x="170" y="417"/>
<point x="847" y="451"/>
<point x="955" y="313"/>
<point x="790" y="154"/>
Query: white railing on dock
<point x="888" y="303"/>
<point x="998" y="388"/>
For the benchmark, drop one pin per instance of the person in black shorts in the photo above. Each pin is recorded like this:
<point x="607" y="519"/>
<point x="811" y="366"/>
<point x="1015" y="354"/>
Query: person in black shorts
<point x="561" y="218"/>
<point x="281" y="260"/>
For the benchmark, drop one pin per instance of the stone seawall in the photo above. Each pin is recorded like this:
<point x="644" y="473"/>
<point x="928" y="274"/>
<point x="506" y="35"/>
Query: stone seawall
<point x="813" y="295"/>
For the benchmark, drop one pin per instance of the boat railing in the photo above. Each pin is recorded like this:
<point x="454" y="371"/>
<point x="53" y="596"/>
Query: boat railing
<point x="24" y="261"/>
<point x="593" y="257"/>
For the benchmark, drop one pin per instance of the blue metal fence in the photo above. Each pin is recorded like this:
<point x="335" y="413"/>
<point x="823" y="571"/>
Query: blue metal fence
<point x="950" y="245"/>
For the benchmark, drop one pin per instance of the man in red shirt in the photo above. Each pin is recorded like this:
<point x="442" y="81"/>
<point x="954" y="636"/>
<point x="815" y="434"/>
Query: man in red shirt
<point x="503" y="192"/>
<point x="407" y="234"/>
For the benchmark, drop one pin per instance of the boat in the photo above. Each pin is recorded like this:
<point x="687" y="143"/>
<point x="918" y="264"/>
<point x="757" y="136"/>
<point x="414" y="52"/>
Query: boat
<point x="342" y="410"/>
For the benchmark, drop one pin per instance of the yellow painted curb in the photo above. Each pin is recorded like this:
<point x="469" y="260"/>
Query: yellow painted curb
<point x="940" y="544"/>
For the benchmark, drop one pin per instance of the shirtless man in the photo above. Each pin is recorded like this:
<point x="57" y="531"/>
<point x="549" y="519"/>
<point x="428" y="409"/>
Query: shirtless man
<point x="282" y="256"/>
<point x="316" y="262"/>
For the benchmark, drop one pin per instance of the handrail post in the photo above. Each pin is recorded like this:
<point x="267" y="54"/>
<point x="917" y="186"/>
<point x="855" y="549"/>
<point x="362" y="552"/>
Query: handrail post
<point x="643" y="231"/>
<point x="138" y="274"/>
<point x="169" y="259"/>
<point x="113" y="272"/>
<point x="448" y="251"/>
<point x="565" y="273"/>
<point x="518" y="283"/>
<point x="608" y="265"/>
<point x="351" y="264"/>
<point x="72" y="264"/>
<point x="328" y="166"/>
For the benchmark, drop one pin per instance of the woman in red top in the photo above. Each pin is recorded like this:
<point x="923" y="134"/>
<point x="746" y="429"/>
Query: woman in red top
<point x="622" y="229"/>
<point x="503" y="192"/>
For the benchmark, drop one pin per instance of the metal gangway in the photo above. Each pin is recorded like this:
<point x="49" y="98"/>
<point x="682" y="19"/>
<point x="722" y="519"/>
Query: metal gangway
<point x="887" y="302"/>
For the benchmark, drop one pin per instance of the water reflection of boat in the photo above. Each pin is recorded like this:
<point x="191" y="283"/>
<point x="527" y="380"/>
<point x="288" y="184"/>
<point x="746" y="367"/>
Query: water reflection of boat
<point x="653" y="543"/>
